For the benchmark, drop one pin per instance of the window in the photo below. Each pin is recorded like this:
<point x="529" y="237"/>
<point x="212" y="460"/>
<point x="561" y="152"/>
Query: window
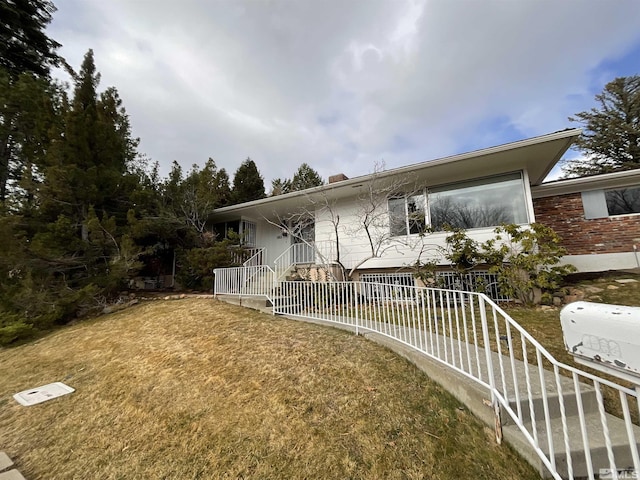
<point x="623" y="201"/>
<point x="607" y="203"/>
<point x="475" y="204"/>
<point x="248" y="233"/>
<point x="245" y="229"/>
<point x="407" y="215"/>
<point x="222" y="229"/>
<point x="480" y="203"/>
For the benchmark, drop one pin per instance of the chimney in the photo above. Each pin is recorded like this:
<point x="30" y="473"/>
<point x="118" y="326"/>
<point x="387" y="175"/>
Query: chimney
<point x="338" y="178"/>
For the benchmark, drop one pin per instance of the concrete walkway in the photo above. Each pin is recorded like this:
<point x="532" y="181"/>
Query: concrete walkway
<point x="407" y="342"/>
<point x="516" y="383"/>
<point x="6" y="470"/>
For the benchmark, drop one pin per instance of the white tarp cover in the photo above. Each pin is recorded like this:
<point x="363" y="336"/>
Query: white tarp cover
<point x="42" y="394"/>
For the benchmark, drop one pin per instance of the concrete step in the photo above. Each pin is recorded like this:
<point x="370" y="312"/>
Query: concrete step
<point x="5" y="461"/>
<point x="617" y="431"/>
<point x="567" y="392"/>
<point x="256" y="303"/>
<point x="11" y="475"/>
<point x="5" y="464"/>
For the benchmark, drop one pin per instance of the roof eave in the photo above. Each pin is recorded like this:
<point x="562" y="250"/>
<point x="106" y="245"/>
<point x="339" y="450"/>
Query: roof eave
<point x="568" y="134"/>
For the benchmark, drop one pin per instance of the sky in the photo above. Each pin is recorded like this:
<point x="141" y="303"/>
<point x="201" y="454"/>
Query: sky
<point x="345" y="85"/>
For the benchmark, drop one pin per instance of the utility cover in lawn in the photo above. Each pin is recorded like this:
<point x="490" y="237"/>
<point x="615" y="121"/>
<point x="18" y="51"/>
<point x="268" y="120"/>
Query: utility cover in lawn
<point x="42" y="394"/>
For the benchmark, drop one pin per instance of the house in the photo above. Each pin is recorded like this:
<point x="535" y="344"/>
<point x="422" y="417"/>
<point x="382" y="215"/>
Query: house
<point x="369" y="225"/>
<point x="597" y="217"/>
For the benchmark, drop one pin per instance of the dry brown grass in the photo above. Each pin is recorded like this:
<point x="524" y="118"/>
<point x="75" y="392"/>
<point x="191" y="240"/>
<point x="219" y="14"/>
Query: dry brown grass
<point x="197" y="389"/>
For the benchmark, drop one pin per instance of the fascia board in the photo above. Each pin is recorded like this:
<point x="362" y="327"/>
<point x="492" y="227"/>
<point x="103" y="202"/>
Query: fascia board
<point x="334" y="189"/>
<point x="583" y="184"/>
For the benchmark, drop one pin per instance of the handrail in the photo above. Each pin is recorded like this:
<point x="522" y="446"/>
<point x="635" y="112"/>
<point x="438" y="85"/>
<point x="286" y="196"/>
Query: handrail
<point x="454" y="327"/>
<point x="318" y="253"/>
<point x="475" y="337"/>
<point x="255" y="259"/>
<point x="245" y="281"/>
<point x="240" y="254"/>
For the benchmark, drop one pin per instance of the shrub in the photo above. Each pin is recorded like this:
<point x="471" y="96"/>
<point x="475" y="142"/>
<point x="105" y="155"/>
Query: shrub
<point x="526" y="260"/>
<point x="195" y="266"/>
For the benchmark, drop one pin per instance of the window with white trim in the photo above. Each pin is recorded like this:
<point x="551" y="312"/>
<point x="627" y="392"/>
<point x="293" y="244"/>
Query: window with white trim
<point x="407" y="215"/>
<point x="481" y="203"/>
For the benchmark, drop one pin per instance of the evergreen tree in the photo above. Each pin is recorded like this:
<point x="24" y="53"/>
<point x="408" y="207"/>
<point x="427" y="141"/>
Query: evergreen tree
<point x="248" y="184"/>
<point x="24" y="46"/>
<point x="280" y="186"/>
<point x="25" y="52"/>
<point x="223" y="187"/>
<point x="611" y="136"/>
<point x="305" y="177"/>
<point x="29" y="108"/>
<point x="91" y="156"/>
<point x="171" y="188"/>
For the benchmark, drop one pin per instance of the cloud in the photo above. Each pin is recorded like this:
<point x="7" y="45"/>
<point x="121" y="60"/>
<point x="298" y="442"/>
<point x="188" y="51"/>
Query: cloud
<point x="341" y="85"/>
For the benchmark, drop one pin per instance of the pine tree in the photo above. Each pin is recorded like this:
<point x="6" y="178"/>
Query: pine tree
<point x="280" y="186"/>
<point x="91" y="156"/>
<point x="223" y="187"/>
<point x="29" y="106"/>
<point x="248" y="184"/>
<point x="25" y="52"/>
<point x="305" y="177"/>
<point x="24" y="46"/>
<point x="611" y="136"/>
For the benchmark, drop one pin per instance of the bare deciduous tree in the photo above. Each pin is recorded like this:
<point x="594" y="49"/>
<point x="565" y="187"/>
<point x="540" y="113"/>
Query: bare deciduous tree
<point x="373" y="220"/>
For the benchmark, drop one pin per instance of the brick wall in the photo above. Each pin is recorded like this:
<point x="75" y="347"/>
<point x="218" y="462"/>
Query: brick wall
<point x="564" y="213"/>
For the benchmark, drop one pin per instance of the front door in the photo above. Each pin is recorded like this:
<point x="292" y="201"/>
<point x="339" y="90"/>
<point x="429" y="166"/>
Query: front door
<point x="248" y="233"/>
<point x="303" y="238"/>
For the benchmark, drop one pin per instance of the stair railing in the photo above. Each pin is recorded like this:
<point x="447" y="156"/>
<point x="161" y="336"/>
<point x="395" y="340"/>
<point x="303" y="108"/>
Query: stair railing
<point x="245" y="281"/>
<point x="578" y="424"/>
<point x="256" y="258"/>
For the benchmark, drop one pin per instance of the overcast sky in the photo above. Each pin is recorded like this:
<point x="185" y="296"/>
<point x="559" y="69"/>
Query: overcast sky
<point x="344" y="84"/>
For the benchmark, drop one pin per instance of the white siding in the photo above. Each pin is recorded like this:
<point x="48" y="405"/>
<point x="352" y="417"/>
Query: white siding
<point x="397" y="251"/>
<point x="270" y="237"/>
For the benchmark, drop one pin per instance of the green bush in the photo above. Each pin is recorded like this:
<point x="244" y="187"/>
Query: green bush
<point x="13" y="328"/>
<point x="526" y="260"/>
<point x="195" y="266"/>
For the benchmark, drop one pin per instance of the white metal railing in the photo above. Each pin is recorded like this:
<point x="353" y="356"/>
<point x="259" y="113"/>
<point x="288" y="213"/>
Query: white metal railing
<point x="296" y="254"/>
<point x="577" y="423"/>
<point x="241" y="254"/>
<point x="303" y="254"/>
<point x="244" y="281"/>
<point x="474" y="281"/>
<point x="256" y="259"/>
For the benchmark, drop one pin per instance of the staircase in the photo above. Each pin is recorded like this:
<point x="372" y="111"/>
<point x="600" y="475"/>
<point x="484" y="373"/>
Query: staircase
<point x="548" y="427"/>
<point x="557" y="416"/>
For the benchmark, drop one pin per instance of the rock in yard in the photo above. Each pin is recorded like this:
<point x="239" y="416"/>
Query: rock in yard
<point x="591" y="289"/>
<point x="626" y="280"/>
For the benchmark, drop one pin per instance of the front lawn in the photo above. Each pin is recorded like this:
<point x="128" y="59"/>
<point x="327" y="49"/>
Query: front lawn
<point x="194" y="389"/>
